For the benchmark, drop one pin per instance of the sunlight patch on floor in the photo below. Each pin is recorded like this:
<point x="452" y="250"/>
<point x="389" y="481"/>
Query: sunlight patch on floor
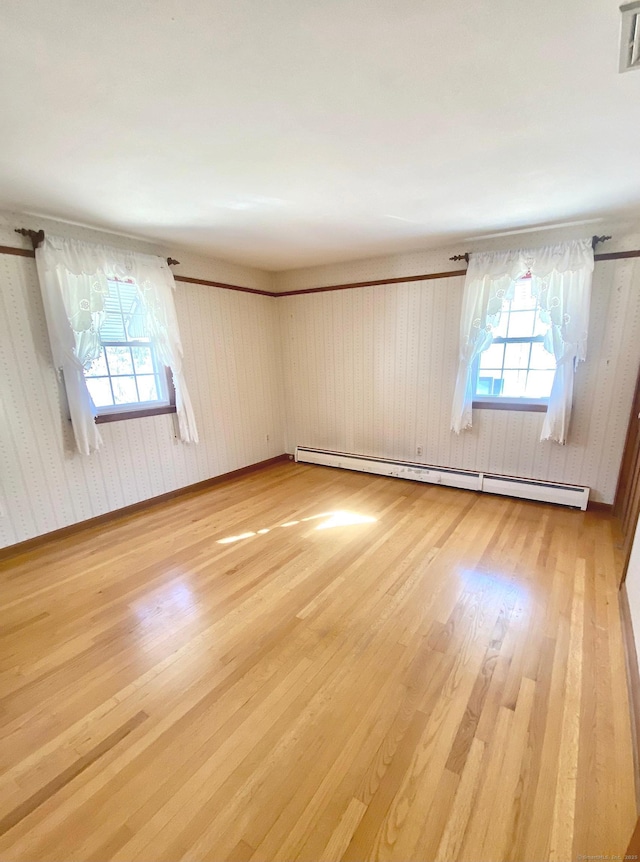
<point x="338" y="518"/>
<point x="345" y="519"/>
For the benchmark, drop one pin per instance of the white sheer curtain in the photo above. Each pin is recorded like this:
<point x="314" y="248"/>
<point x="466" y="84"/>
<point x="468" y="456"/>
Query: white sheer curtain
<point x="561" y="283"/>
<point x="73" y="279"/>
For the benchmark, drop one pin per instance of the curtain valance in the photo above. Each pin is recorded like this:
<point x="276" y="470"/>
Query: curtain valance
<point x="571" y="256"/>
<point x="74" y="280"/>
<point x="561" y="284"/>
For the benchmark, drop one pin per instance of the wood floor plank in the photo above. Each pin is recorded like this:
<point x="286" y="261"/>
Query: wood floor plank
<point x="341" y="836"/>
<point x="562" y="829"/>
<point x="461" y="809"/>
<point x="312" y="664"/>
<point x="484" y="806"/>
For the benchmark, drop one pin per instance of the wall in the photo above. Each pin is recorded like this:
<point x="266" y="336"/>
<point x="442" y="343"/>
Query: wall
<point x="368" y="370"/>
<point x="632" y="584"/>
<point x="230" y="341"/>
<point x="372" y="370"/>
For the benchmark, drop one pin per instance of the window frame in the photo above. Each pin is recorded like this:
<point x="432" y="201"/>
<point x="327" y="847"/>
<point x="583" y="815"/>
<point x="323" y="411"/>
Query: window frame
<point x="498" y="402"/>
<point x="501" y="402"/>
<point x="141" y="412"/>
<point x="133" y="410"/>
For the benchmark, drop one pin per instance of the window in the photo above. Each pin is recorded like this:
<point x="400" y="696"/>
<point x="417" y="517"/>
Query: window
<point x="515" y="370"/>
<point x="127" y="379"/>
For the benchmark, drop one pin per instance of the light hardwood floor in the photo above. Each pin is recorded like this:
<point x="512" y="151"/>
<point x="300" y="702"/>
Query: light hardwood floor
<point x="444" y="680"/>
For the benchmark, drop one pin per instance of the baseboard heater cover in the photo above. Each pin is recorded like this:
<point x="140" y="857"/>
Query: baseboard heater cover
<point x="575" y="496"/>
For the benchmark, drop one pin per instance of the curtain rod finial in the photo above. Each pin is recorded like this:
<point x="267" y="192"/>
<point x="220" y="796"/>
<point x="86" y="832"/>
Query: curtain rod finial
<point x="171" y="261"/>
<point x="36" y="236"/>
<point x="464" y="256"/>
<point x="596" y="239"/>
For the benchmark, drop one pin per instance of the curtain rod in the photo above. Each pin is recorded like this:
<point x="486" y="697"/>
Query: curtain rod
<point x="613" y="255"/>
<point x="37" y="238"/>
<point x="594" y="242"/>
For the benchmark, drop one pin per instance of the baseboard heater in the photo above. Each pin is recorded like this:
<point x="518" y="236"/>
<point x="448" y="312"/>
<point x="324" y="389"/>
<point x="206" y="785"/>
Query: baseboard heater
<point x="490" y="483"/>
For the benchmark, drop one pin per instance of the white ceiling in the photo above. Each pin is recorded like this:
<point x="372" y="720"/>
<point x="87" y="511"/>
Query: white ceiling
<point x="284" y="134"/>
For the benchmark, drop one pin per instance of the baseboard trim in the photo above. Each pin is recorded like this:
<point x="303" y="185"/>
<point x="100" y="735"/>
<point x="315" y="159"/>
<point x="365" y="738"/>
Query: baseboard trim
<point x="633" y="684"/>
<point x="37" y="541"/>
<point x="595" y="506"/>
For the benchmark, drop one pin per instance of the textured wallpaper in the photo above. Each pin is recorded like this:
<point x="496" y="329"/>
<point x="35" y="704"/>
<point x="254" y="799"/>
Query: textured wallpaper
<point x="625" y="234"/>
<point x="372" y="371"/>
<point x="369" y="371"/>
<point x="231" y="348"/>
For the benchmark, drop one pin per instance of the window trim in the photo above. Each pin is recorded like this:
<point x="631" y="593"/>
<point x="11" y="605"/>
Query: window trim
<point x="498" y="403"/>
<point x="501" y="402"/>
<point x="133" y="413"/>
<point x="147" y="408"/>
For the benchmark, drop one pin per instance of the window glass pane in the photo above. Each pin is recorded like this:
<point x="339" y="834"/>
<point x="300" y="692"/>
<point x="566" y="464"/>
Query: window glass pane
<point x="142" y="360"/>
<point x="541" y="358"/>
<point x="522" y="297"/>
<point x="540" y="328"/>
<point x="500" y="330"/>
<point x="100" y="391"/>
<point x="520" y="368"/>
<point x="539" y="384"/>
<point x="517" y="355"/>
<point x="124" y="319"/>
<point x="119" y="359"/>
<point x="136" y="330"/>
<point x="489" y="383"/>
<point x="484" y="385"/>
<point x="492" y="356"/>
<point x="125" y="374"/>
<point x="521" y="324"/>
<point x="112" y="328"/>
<point x="97" y="368"/>
<point x="147" y="387"/>
<point x="124" y="390"/>
<point x="112" y="300"/>
<point x="128" y="297"/>
<point x="514" y="383"/>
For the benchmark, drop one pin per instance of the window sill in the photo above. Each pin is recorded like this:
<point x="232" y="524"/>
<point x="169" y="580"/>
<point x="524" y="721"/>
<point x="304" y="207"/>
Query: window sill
<point x="135" y="414"/>
<point x="530" y="407"/>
